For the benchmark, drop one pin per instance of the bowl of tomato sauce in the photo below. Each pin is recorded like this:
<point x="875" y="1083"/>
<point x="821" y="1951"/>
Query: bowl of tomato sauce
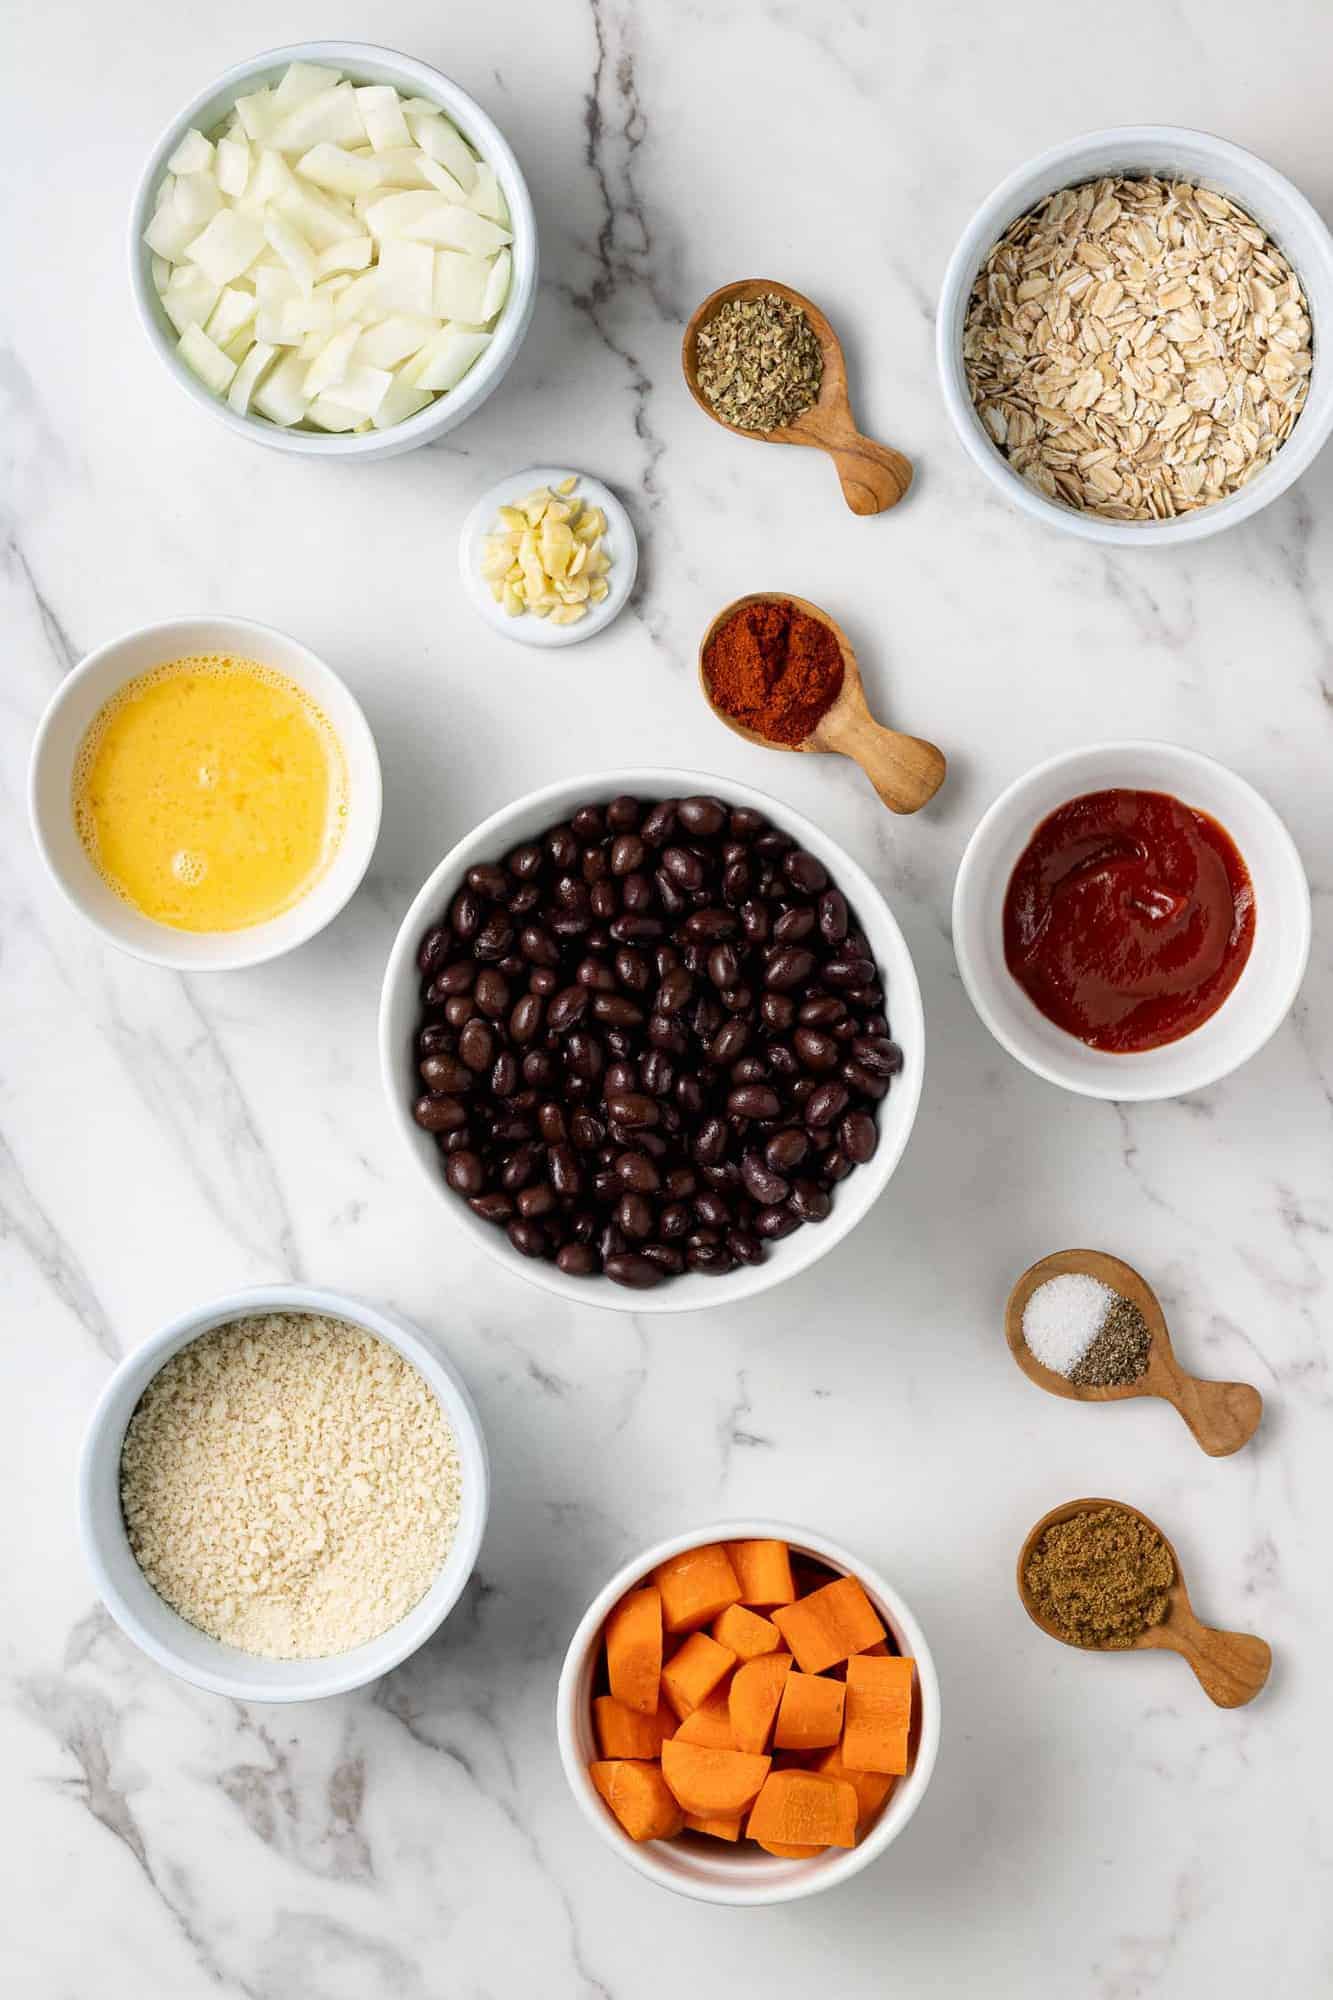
<point x="1131" y="920"/>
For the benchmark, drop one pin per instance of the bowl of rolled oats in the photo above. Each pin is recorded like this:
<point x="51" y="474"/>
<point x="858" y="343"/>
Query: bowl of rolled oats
<point x="1130" y="335"/>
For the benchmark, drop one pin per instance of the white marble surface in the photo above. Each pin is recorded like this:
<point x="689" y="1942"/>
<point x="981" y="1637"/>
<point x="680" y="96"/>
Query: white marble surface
<point x="1095" y="1827"/>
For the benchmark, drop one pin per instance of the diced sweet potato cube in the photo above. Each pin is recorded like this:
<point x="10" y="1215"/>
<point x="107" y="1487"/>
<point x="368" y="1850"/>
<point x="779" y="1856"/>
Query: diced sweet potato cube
<point x="810" y="1713"/>
<point x="693" y="1671"/>
<point x="709" y="1723"/>
<point x="640" y="1798"/>
<point x="634" y="1649"/>
<point x="872" y="1788"/>
<point x="623" y="1732"/>
<point x="787" y="1849"/>
<point x="747" y="1634"/>
<point x="722" y="1826"/>
<point x="756" y="1690"/>
<point x="711" y="1781"/>
<point x="878" y="1715"/>
<point x="764" y="1570"/>
<point x="829" y="1625"/>
<point x="695" y="1586"/>
<point x="803" y="1809"/>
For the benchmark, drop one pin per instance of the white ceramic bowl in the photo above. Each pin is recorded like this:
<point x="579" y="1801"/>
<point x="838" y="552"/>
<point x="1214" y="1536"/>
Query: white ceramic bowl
<point x="620" y="542"/>
<point x="72" y="709"/>
<point x="1176" y="153"/>
<point x="363" y="63"/>
<point x="532" y="815"/>
<point x="1257" y="1004"/>
<point x="181" y="1647"/>
<point x="712" y="1871"/>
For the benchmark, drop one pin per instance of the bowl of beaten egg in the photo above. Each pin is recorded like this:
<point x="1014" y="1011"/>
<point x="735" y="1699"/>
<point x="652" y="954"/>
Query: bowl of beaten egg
<point x="205" y="792"/>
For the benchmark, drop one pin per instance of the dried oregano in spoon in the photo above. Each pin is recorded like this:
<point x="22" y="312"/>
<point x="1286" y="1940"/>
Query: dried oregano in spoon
<point x="759" y="364"/>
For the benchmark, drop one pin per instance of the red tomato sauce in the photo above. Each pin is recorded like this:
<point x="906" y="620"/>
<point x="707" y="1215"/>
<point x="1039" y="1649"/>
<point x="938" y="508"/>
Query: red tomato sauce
<point x="1128" y="919"/>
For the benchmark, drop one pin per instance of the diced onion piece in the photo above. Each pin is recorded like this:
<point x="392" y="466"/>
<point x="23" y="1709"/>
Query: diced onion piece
<point x="394" y="215"/>
<point x="189" y="298"/>
<point x="441" y="178"/>
<point x="394" y="339"/>
<point x="331" y="115"/>
<point x="352" y="254"/>
<point x="197" y="199"/>
<point x="292" y="247"/>
<point x="206" y="360"/>
<point x="329" y="288"/>
<point x="406" y="273"/>
<point x="437" y="137"/>
<point x="332" y="415"/>
<point x="497" y="285"/>
<point x="167" y="236"/>
<point x="401" y="400"/>
<point x="240" y="343"/>
<point x="303" y="80"/>
<point x="487" y="197"/>
<point x="361" y="299"/>
<point x="194" y="155"/>
<point x="382" y="113"/>
<point x="335" y="168"/>
<point x="233" y="166"/>
<point x="444" y="362"/>
<point x="323" y="219"/>
<point x="234" y="310"/>
<point x="161" y="269"/>
<point x="275" y="287"/>
<point x="248" y="375"/>
<point x="405" y="167"/>
<point x="280" y="397"/>
<point x="460" y="285"/>
<point x="332" y="361"/>
<point x="257" y="116"/>
<point x="228" y="246"/>
<point x="364" y="389"/>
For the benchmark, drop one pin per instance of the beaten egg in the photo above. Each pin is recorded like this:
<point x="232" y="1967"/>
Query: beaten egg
<point x="210" y="793"/>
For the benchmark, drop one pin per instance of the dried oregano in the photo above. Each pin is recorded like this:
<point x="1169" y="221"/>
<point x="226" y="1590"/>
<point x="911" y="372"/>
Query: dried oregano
<point x="759" y="362"/>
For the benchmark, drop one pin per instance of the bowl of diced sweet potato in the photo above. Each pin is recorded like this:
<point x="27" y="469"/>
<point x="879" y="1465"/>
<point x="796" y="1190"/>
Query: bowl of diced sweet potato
<point x="748" y="1715"/>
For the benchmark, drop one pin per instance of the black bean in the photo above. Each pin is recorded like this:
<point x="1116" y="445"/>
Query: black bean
<point x="494" y="938"/>
<point x="528" y="1238"/>
<point x="488" y="881"/>
<point x="433" y="950"/>
<point x="465" y="913"/>
<point x="465" y="1173"/>
<point x="809" y="1201"/>
<point x="562" y="846"/>
<point x="826" y="1105"/>
<point x="629" y="1267"/>
<point x="526" y="1018"/>
<point x="491" y="992"/>
<point x="702" y="817"/>
<point x="788" y="967"/>
<point x="445" y="1074"/>
<point x="525" y="861"/>
<point x="754" y="1100"/>
<point x="439" y="1114"/>
<point x="631" y="1108"/>
<point x="634" y="1213"/>
<point x="588" y="824"/>
<point x="635" y="1171"/>
<point x="576" y="1260"/>
<point x="476" y="1045"/>
<point x="794" y="925"/>
<point x="761" y="1182"/>
<point x="772" y="1223"/>
<point x="804" y="872"/>
<point x="494" y="1207"/>
<point x="816" y="1051"/>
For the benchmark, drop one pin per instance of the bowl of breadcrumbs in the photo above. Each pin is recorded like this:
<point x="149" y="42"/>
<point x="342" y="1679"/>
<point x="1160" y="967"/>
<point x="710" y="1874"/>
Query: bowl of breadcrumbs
<point x="282" y="1494"/>
<point x="1131" y="336"/>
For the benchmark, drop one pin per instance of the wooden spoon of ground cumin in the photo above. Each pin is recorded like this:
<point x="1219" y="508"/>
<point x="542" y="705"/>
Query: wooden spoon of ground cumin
<point x="781" y="672"/>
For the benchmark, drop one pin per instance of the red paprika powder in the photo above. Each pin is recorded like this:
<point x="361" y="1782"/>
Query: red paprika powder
<point x="774" y="669"/>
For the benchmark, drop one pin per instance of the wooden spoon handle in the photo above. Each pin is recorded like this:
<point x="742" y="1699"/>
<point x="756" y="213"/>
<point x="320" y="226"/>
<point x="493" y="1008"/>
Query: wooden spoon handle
<point x="1230" y="1667"/>
<point x="1222" y="1415"/>
<point x="874" y="477"/>
<point x="906" y="771"/>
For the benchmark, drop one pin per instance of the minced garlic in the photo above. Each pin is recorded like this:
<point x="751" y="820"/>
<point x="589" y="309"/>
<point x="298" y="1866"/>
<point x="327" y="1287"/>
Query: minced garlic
<point x="547" y="555"/>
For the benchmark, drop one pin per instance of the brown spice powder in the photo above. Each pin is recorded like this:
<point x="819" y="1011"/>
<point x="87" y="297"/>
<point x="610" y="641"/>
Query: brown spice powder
<point x="1100" y="1577"/>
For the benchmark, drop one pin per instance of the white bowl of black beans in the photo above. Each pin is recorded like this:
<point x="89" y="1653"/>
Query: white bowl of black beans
<point x="654" y="1038"/>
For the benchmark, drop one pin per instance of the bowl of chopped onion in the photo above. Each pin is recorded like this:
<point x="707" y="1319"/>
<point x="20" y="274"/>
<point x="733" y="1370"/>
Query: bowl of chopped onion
<point x="334" y="250"/>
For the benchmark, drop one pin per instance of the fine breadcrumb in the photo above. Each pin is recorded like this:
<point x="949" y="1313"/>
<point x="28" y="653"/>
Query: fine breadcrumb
<point x="1137" y="349"/>
<point x="289" y="1485"/>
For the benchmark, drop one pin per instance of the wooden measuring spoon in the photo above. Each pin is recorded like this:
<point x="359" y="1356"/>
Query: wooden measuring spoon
<point x="906" y="771"/>
<point x="873" y="476"/>
<point x="1231" y="1667"/>
<point x="1222" y="1415"/>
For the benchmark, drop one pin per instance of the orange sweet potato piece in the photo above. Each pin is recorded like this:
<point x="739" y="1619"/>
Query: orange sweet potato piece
<point x="634" y="1649"/>
<point x="872" y="1788"/>
<point x="803" y="1809"/>
<point x="707" y="1782"/>
<point x="810" y="1713"/>
<point x="747" y="1634"/>
<point x="764" y="1569"/>
<point x="695" y="1586"/>
<point x="639" y="1796"/>
<point x="722" y="1826"/>
<point x="879" y="1714"/>
<point x="693" y="1671"/>
<point x="623" y="1732"/>
<point x="709" y="1723"/>
<point x="787" y="1850"/>
<point x="829" y="1625"/>
<point x="756" y="1690"/>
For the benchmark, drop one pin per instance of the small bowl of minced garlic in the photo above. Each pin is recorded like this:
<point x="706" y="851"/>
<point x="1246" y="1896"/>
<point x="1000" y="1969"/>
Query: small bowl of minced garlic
<point x="282" y="1494"/>
<point x="548" y="556"/>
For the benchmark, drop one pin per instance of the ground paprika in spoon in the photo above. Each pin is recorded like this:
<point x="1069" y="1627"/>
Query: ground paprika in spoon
<point x="774" y="669"/>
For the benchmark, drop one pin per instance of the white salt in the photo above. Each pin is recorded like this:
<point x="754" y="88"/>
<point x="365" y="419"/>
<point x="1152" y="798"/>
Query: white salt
<point x="1063" y="1318"/>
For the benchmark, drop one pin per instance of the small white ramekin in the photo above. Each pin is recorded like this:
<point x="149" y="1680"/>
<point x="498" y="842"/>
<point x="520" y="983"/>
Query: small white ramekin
<point x="622" y="545"/>
<point x="150" y="1621"/>
<point x="714" y="1871"/>
<point x="72" y="709"/>
<point x="1175" y="153"/>
<point x="1261" y="998"/>
<point x="400" y="1008"/>
<point x="363" y="62"/>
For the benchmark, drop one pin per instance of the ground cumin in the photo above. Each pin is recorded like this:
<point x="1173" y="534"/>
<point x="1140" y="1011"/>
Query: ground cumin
<point x="1101" y="1577"/>
<point x="775" y="669"/>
